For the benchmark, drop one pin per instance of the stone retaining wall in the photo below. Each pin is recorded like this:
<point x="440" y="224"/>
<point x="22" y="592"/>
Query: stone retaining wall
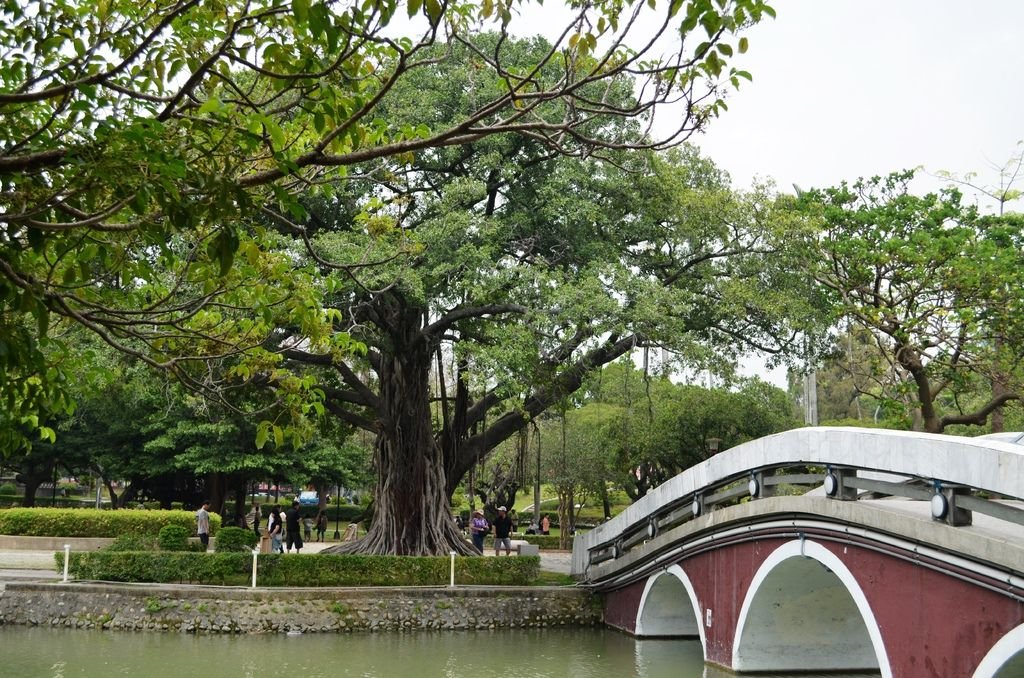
<point x="192" y="609"/>
<point x="19" y="543"/>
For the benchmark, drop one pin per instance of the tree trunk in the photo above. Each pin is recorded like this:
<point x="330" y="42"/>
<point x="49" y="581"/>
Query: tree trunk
<point x="411" y="508"/>
<point x="564" y="511"/>
<point x="321" y="497"/>
<point x="240" y="496"/>
<point x="31" y="487"/>
<point x="214" y="487"/>
<point x="109" y="484"/>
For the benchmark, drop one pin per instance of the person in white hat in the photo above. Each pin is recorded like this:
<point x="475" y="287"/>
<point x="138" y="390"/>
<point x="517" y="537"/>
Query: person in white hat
<point x="502" y="530"/>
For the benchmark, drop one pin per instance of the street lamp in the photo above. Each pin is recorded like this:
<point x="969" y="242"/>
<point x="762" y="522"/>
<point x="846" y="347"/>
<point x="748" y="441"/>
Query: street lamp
<point x="337" y="511"/>
<point x="712" y="445"/>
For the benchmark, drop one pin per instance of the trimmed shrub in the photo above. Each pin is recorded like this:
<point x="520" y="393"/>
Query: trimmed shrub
<point x="53" y="522"/>
<point x="8" y="488"/>
<point x="133" y="542"/>
<point x="544" y="542"/>
<point x="235" y="539"/>
<point x="173" y="538"/>
<point x="297" y="570"/>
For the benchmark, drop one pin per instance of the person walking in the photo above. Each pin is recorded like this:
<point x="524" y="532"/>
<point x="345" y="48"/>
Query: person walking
<point x="545" y="525"/>
<point x="321" y="526"/>
<point x="254" y="518"/>
<point x="292" y="536"/>
<point x="274" y="528"/>
<point x="502" y="530"/>
<point x="203" y="523"/>
<point x="478" y="529"/>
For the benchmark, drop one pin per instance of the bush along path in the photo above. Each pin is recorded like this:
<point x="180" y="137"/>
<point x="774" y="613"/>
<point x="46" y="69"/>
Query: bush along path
<point x="235" y="569"/>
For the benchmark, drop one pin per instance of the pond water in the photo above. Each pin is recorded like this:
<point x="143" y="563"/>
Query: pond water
<point x="589" y="653"/>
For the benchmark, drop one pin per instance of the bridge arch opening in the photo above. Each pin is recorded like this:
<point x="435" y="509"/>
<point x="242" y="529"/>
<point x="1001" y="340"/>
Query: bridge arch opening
<point x="1006" y="658"/>
<point x="669" y="607"/>
<point x="805" y="611"/>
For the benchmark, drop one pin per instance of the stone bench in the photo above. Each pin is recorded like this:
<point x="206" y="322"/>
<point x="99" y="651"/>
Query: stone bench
<point x="525" y="548"/>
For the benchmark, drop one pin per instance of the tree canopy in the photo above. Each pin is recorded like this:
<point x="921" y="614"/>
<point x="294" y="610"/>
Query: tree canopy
<point x="937" y="285"/>
<point x="145" y="145"/>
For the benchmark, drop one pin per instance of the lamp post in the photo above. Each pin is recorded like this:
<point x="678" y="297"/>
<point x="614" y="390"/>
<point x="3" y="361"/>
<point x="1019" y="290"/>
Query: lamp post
<point x="712" y="445"/>
<point x="337" y="511"/>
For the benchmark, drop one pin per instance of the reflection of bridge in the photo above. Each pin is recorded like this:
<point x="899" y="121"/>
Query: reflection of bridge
<point x="905" y="556"/>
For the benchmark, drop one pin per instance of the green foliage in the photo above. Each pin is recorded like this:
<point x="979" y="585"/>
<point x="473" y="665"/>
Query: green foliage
<point x="137" y="542"/>
<point x="9" y="488"/>
<point x="652" y="429"/>
<point x="298" y="570"/>
<point x="129" y="155"/>
<point x="52" y="522"/>
<point x="936" y="287"/>
<point x="235" y="539"/>
<point x="174" y="538"/>
<point x="549" y="542"/>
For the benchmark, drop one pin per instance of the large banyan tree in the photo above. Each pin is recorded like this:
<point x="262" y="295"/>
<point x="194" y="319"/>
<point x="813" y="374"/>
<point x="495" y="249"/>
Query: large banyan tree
<point x="251" y="193"/>
<point x="487" y="280"/>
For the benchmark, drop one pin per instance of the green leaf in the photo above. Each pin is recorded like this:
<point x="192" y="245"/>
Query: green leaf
<point x="300" y="8"/>
<point x="433" y="10"/>
<point x="211" y="105"/>
<point x="262" y="434"/>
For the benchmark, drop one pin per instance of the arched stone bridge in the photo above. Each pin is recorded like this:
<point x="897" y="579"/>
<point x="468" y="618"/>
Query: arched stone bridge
<point x="828" y="549"/>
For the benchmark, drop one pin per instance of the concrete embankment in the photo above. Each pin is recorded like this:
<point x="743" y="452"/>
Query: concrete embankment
<point x="209" y="609"/>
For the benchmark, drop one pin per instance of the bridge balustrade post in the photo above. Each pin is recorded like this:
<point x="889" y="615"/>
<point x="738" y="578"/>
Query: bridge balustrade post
<point x="953" y="515"/>
<point x="835" y="485"/>
<point x="757" y="487"/>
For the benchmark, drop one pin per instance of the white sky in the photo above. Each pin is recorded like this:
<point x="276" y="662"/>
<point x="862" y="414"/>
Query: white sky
<point x="849" y="88"/>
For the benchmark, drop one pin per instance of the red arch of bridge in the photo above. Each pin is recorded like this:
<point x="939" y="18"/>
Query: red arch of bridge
<point x="927" y="618"/>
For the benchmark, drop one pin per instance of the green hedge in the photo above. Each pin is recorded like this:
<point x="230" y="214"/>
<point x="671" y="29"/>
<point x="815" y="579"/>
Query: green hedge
<point x="172" y="538"/>
<point x="544" y="542"/>
<point x="235" y="539"/>
<point x="15" y="501"/>
<point x="345" y="514"/>
<point x="55" y="522"/>
<point x="275" y="569"/>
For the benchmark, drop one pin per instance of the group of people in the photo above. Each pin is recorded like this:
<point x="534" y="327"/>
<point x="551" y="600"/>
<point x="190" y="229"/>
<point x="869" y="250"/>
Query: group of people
<point x="285" y="532"/>
<point x="283" y="528"/>
<point x="503" y="527"/>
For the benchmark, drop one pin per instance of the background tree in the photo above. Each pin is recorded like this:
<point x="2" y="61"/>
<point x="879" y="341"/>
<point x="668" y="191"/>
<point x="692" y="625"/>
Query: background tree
<point x="168" y="445"/>
<point x="655" y="429"/>
<point x="1005" y="190"/>
<point x="936" y="285"/>
<point x="855" y="384"/>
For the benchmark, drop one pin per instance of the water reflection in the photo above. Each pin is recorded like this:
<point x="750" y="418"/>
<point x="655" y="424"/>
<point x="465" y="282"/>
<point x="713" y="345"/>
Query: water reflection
<point x="548" y="653"/>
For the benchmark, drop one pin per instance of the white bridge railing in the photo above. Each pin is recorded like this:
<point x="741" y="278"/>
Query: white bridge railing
<point x="957" y="475"/>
